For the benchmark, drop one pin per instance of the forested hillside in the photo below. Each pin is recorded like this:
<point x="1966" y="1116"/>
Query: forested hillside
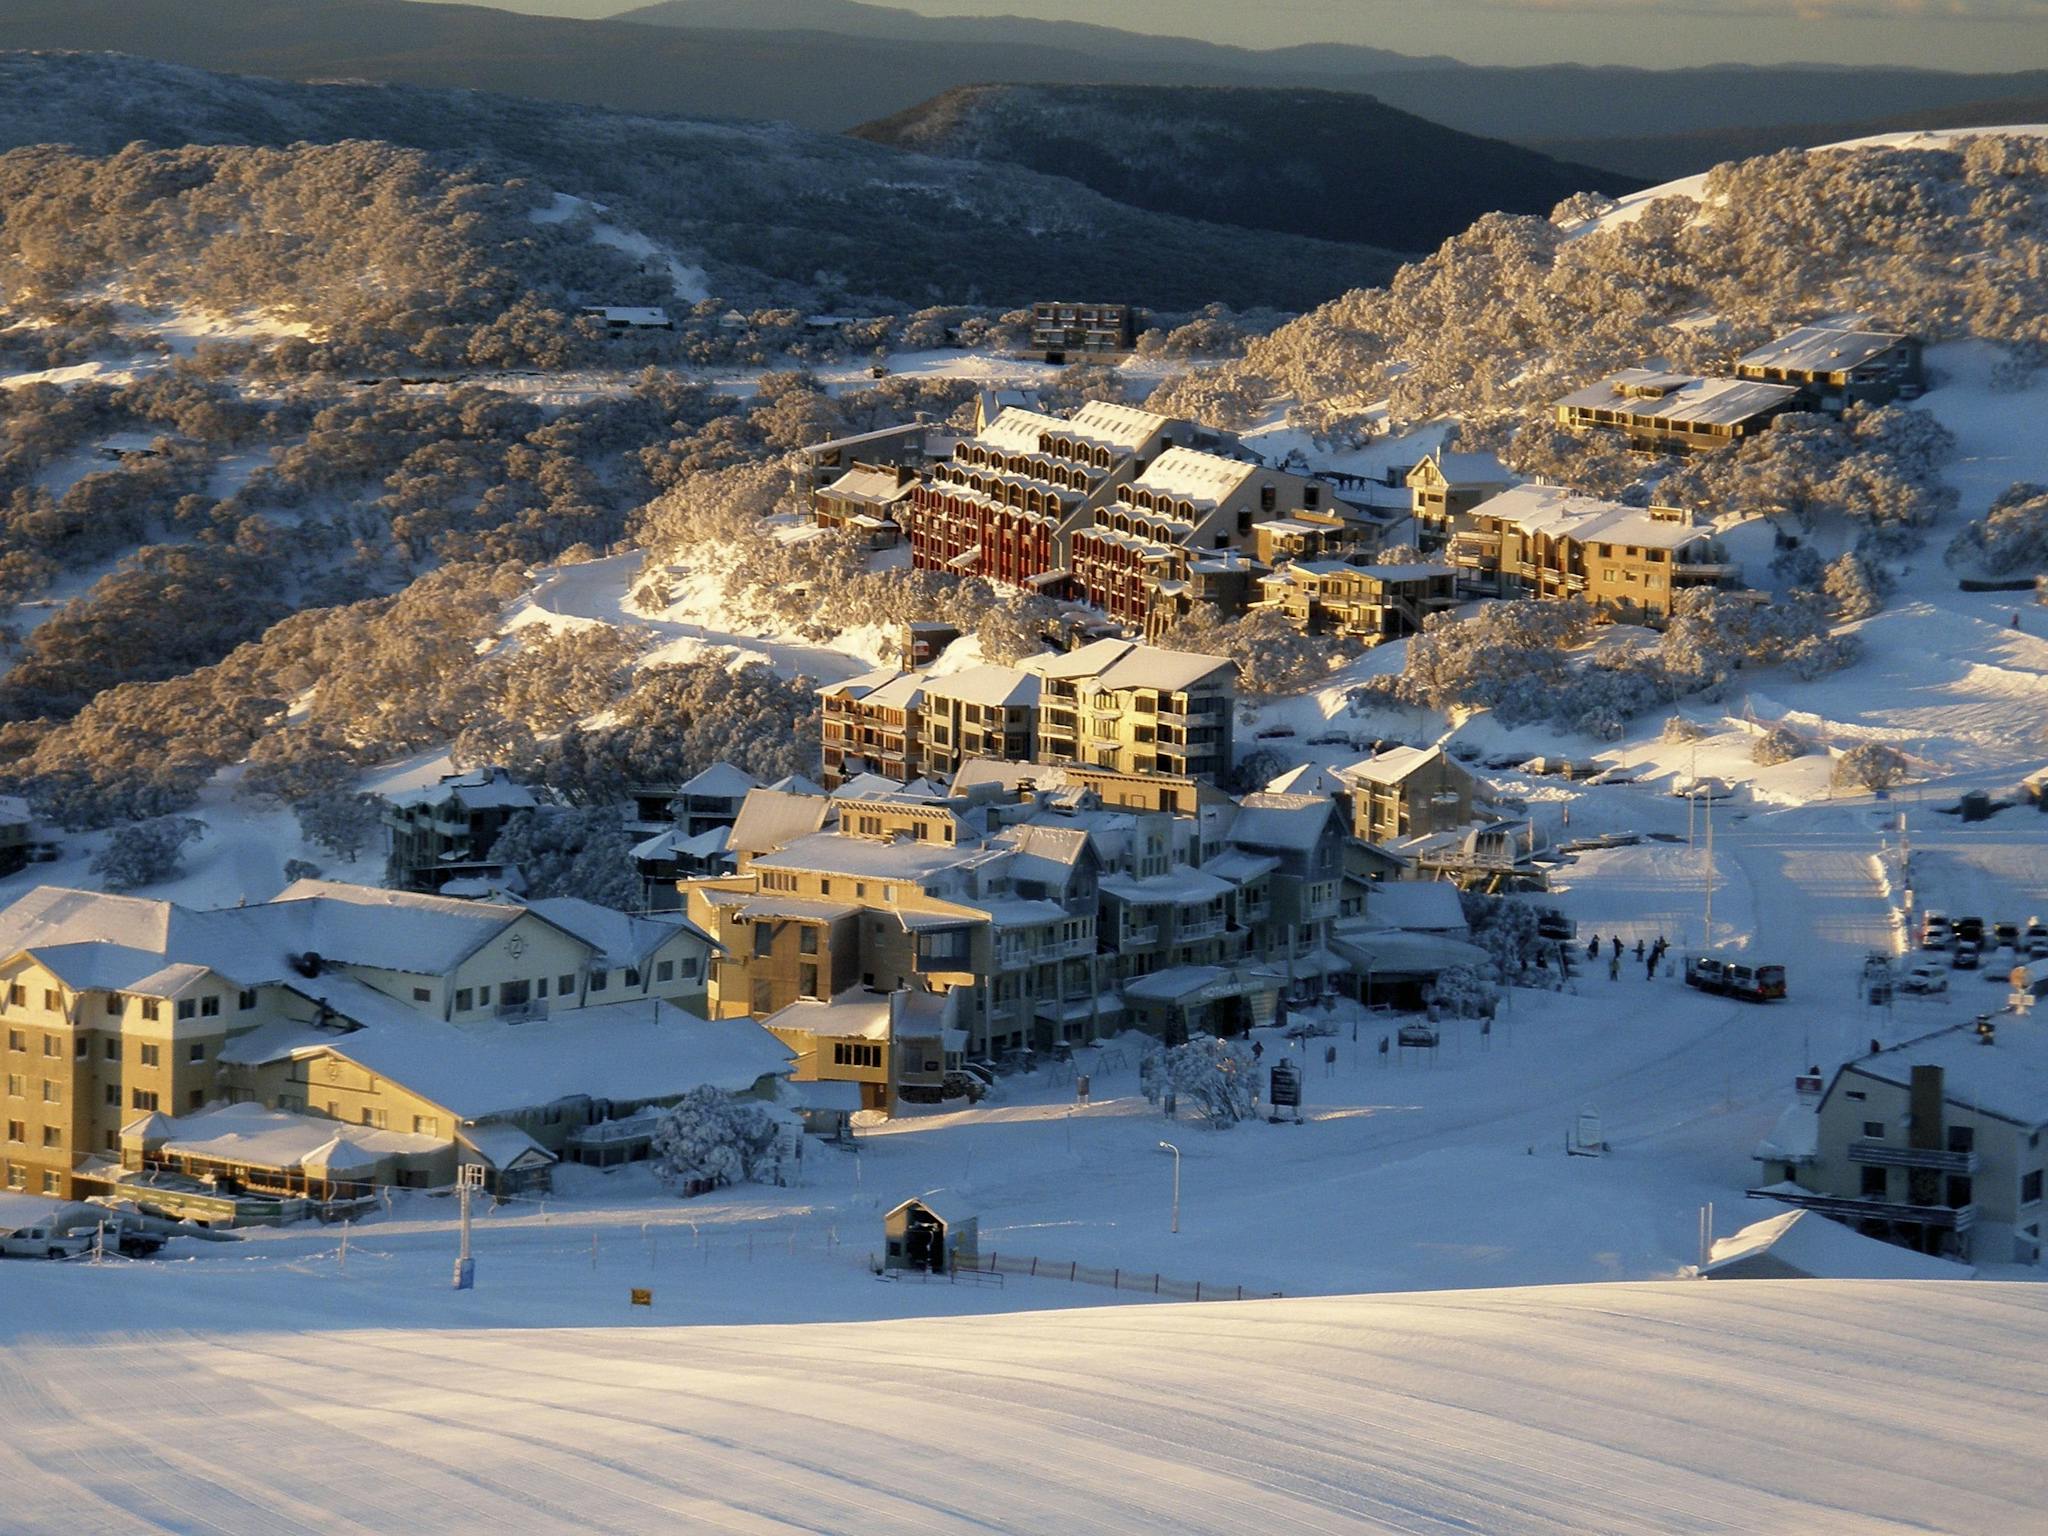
<point x="1327" y="163"/>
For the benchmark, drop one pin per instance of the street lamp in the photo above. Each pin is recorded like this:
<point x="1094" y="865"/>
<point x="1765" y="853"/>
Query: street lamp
<point x="1167" y="1146"/>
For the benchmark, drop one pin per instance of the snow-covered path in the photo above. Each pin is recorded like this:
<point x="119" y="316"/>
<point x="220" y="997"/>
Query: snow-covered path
<point x="1709" y="1407"/>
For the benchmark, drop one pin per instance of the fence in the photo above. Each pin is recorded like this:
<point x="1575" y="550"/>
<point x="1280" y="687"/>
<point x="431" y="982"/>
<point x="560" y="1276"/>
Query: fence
<point x="1115" y="1279"/>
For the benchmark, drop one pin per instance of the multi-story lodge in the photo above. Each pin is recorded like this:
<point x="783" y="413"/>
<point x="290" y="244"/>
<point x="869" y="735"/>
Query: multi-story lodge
<point x="1940" y="1143"/>
<point x="866" y="501"/>
<point x="1676" y="412"/>
<point x="444" y="832"/>
<point x="1187" y="507"/>
<point x="1111" y="704"/>
<point x="1363" y="602"/>
<point x="1445" y="488"/>
<point x="1551" y="542"/>
<point x="1046" y="911"/>
<point x="909" y="446"/>
<point x="1837" y="367"/>
<point x="1062" y="331"/>
<point x="389" y="1033"/>
<point x="1406" y="792"/>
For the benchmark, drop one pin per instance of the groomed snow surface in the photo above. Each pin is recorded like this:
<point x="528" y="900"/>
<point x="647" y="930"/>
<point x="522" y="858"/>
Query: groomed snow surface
<point x="1816" y="1406"/>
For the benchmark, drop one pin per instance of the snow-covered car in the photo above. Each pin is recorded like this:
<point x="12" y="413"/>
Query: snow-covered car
<point x="1967" y="956"/>
<point x="1935" y="932"/>
<point x="2037" y="943"/>
<point x="2007" y="934"/>
<point x="1924" y="977"/>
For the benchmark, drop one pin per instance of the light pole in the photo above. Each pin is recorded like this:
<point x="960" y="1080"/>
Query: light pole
<point x="468" y="1179"/>
<point x="1167" y="1146"/>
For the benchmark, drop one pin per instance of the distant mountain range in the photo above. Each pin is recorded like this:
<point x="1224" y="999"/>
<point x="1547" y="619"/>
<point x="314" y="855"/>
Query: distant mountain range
<point x="1331" y="164"/>
<point x="769" y="213"/>
<point x="831" y="64"/>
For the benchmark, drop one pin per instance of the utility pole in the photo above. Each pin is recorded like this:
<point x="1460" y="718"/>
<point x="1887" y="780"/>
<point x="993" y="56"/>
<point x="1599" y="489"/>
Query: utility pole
<point x="1167" y="1146"/>
<point x="468" y="1178"/>
<point x="1710" y="866"/>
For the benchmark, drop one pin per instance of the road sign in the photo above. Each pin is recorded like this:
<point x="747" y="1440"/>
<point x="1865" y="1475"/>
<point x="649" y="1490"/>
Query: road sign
<point x="1285" y="1086"/>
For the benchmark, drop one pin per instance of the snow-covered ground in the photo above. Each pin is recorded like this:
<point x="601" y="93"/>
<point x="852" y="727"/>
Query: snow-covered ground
<point x="1715" y="1406"/>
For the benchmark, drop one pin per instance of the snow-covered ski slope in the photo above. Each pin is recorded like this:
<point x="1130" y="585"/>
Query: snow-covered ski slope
<point x="1713" y="1406"/>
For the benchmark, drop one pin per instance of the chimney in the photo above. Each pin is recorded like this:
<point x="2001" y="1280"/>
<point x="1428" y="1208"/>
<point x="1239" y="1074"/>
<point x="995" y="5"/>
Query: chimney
<point x="1926" y="1133"/>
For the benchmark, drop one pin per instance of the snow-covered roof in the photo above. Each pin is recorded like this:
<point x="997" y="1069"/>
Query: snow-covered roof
<point x="1683" y="398"/>
<point x="885" y="688"/>
<point x="987" y="685"/>
<point x="1794" y="1139"/>
<point x="2007" y="1078"/>
<point x="795" y="784"/>
<point x="1822" y="1249"/>
<point x="1422" y="906"/>
<point x="769" y="818"/>
<point x="15" y="812"/>
<point x="1114" y="664"/>
<point x="1018" y="429"/>
<point x="871" y="485"/>
<point x="1109" y="425"/>
<point x="1398" y="952"/>
<point x="628" y="314"/>
<point x="1391" y="766"/>
<point x="1820" y="349"/>
<point x="1239" y="866"/>
<point x="721" y="780"/>
<point x="1564" y="513"/>
<point x="827" y="1095"/>
<point x="278" y="1138"/>
<point x="1183" y="887"/>
<point x="643" y="1049"/>
<point x="620" y="937"/>
<point x="1467" y="468"/>
<point x="856" y="439"/>
<point x="1294" y="822"/>
<point x="480" y="789"/>
<point x="503" y="1145"/>
<point x="1407" y="571"/>
<point x="832" y="854"/>
<point x="1188" y="474"/>
<point x="20" y="1211"/>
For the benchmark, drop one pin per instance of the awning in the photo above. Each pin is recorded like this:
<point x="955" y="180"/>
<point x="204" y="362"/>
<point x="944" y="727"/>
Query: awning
<point x="965" y="560"/>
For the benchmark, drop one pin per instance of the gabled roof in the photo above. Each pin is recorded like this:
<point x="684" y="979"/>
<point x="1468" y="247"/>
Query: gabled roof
<point x="721" y="779"/>
<point x="1293" y="822"/>
<point x="1393" y="765"/>
<point x="1812" y="1245"/>
<point x="1821" y="349"/>
<point x="1466" y="468"/>
<point x="795" y="784"/>
<point x="871" y="486"/>
<point x="769" y="818"/>
<point x="1017" y="430"/>
<point x="1565" y="513"/>
<point x="1308" y="779"/>
<point x="1115" y="664"/>
<point x="1685" y="399"/>
<point x="1187" y="474"/>
<point x="886" y="688"/>
<point x="1003" y="686"/>
<point x="480" y="789"/>
<point x="1116" y="426"/>
<point x="619" y="937"/>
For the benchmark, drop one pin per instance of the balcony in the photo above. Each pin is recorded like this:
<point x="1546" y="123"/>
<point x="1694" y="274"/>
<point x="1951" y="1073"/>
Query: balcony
<point x="1201" y="928"/>
<point x="1960" y="1218"/>
<point x="1878" y="1154"/>
<point x="1140" y="938"/>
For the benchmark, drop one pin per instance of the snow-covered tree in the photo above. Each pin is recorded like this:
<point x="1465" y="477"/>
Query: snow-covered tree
<point x="1217" y="1079"/>
<point x="709" y="1134"/>
<point x="343" y="824"/>
<point x="2011" y="539"/>
<point x="1853" y="586"/>
<point x="145" y="852"/>
<point x="1873" y="765"/>
<point x="1463" y="993"/>
<point x="1779" y="744"/>
<point x="582" y="851"/>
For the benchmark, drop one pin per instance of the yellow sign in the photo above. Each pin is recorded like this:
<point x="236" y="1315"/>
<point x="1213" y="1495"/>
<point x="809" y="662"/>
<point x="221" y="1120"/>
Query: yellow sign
<point x="643" y="1298"/>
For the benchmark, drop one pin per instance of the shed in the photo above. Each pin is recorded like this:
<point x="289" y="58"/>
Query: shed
<point x="919" y="1236"/>
<point x="1805" y="1245"/>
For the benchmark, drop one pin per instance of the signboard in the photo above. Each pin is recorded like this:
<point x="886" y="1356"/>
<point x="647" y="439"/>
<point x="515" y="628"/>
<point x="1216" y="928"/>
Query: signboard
<point x="643" y="1298"/>
<point x="1284" y="1089"/>
<point x="1809" y="1087"/>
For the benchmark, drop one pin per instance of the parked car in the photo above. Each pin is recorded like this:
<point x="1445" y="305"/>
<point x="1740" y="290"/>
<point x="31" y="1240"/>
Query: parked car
<point x="1935" y="932"/>
<point x="1971" y="930"/>
<point x="1925" y="977"/>
<point x="2037" y="941"/>
<point x="1735" y="978"/>
<point x="2007" y="934"/>
<point x="1967" y="956"/>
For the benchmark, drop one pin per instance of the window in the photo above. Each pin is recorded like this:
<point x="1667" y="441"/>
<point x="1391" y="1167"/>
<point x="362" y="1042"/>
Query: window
<point x="2030" y="1188"/>
<point x="690" y="969"/>
<point x="1857" y="1094"/>
<point x="17" y="1131"/>
<point x="111" y="1048"/>
<point x="1876" y="1183"/>
<point x="566" y="985"/>
<point x="666" y="970"/>
<point x="246" y="999"/>
<point x="632" y="977"/>
<point x="376" y="1118"/>
<point x="599" y="980"/>
<point x="197" y="1052"/>
<point x="113" y="1003"/>
<point x="188" y="1008"/>
<point x="52" y="1183"/>
<point x="17" y="995"/>
<point x="52" y="1136"/>
<point x="1962" y="1138"/>
<point x="112" y="1095"/>
<point x="824" y="887"/>
<point x="853" y="1054"/>
<point x="1873" y="1130"/>
<point x="17" y="1040"/>
<point x="148" y="1054"/>
<point x="151" y="1008"/>
<point x="463" y="999"/>
<point x="52" y="1093"/>
<point x="53" y="1000"/>
<point x="807" y="980"/>
<point x="52" y="1046"/>
<point x="423" y="994"/>
<point x="196" y="1099"/>
<point x="17" y="1176"/>
<point x="426" y="1125"/>
<point x="16" y="1088"/>
<point x="540" y="987"/>
<point x="807" y="940"/>
<point x="81" y="1047"/>
<point x="141" y="1098"/>
<point x="483" y="997"/>
<point x="515" y="994"/>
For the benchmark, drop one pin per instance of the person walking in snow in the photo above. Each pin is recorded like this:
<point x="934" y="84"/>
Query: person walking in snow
<point x="1614" y="964"/>
<point x="1639" y="949"/>
<point x="1615" y="940"/>
<point x="1593" y="948"/>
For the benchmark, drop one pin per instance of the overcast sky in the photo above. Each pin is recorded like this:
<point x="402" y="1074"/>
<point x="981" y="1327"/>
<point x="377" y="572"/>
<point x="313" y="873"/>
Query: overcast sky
<point x="1937" y="34"/>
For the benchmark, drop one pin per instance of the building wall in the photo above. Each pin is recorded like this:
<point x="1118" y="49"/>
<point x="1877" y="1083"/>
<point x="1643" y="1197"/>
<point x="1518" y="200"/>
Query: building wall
<point x="1409" y="808"/>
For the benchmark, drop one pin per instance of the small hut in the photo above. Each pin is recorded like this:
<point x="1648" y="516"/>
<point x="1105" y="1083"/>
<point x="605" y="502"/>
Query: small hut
<point x="920" y="1237"/>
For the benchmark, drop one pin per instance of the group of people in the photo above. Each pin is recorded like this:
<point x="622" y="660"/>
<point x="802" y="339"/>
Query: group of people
<point x="1649" y="954"/>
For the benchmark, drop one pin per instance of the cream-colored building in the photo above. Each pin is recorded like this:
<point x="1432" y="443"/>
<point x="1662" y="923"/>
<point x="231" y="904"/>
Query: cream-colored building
<point x="1365" y="602"/>
<point x="1447" y="486"/>
<point x="1137" y="709"/>
<point x="118" y="1008"/>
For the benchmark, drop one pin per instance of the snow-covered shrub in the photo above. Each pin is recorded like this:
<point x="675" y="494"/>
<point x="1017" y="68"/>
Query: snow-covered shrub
<point x="1854" y="587"/>
<point x="1798" y="565"/>
<point x="2012" y="537"/>
<point x="1817" y="655"/>
<point x="1779" y="744"/>
<point x="146" y="851"/>
<point x="1505" y="929"/>
<point x="1272" y="656"/>
<point x="1217" y="1079"/>
<point x="1463" y="993"/>
<point x="1872" y="765"/>
<point x="709" y="1134"/>
<point x="301" y="869"/>
<point x="1679" y="729"/>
